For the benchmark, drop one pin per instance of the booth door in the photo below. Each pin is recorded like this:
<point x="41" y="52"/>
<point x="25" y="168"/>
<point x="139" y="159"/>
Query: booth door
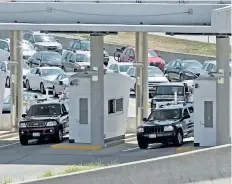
<point x="84" y="127"/>
<point x="208" y="125"/>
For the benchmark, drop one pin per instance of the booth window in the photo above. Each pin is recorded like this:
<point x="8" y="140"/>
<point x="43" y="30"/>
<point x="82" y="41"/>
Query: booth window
<point x="119" y="105"/>
<point x="111" y="106"/>
<point x="83" y="110"/>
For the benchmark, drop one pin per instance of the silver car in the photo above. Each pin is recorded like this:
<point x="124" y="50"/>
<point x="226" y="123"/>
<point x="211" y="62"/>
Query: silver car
<point x="43" y="41"/>
<point x="75" y="61"/>
<point x="61" y="83"/>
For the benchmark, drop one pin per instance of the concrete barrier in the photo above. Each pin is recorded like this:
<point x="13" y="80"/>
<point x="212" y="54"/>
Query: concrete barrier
<point x="5" y="122"/>
<point x="192" y="167"/>
<point x="167" y="56"/>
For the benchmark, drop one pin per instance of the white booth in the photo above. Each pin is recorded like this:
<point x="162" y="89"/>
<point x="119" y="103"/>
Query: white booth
<point x="205" y="111"/>
<point x="115" y="104"/>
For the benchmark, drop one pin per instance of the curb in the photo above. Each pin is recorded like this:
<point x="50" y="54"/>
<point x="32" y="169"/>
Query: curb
<point x="185" y="149"/>
<point x="9" y="135"/>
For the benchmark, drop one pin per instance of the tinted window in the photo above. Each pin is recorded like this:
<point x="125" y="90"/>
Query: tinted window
<point x="44" y="38"/>
<point x="124" y="68"/>
<point x="152" y="53"/>
<point x="27" y="46"/>
<point x="170" y="90"/>
<point x="51" y="55"/>
<point x="165" y="114"/>
<point x="46" y="72"/>
<point x="204" y="65"/>
<point x="1" y="44"/>
<point x="44" y="110"/>
<point x="191" y="110"/>
<point x="81" y="45"/>
<point x="127" y="52"/>
<point x="172" y="64"/>
<point x="191" y="64"/>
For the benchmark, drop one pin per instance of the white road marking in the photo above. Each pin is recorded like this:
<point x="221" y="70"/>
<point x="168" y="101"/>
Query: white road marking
<point x="130" y="149"/>
<point x="7" y="145"/>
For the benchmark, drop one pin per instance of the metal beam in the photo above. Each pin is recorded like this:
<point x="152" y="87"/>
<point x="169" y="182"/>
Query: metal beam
<point x="106" y="27"/>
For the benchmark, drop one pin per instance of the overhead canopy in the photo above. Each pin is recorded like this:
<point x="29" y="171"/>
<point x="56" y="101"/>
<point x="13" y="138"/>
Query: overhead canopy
<point x="126" y="17"/>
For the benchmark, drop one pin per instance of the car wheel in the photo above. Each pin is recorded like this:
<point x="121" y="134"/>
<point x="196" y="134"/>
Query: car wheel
<point x="7" y="82"/>
<point x="54" y="92"/>
<point x="143" y="144"/>
<point x="28" y="85"/>
<point x="58" y="137"/>
<point x="178" y="139"/>
<point x="23" y="141"/>
<point x="42" y="90"/>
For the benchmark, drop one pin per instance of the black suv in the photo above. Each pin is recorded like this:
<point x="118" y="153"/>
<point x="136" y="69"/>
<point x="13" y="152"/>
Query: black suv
<point x="78" y="44"/>
<point x="48" y="119"/>
<point x="168" y="123"/>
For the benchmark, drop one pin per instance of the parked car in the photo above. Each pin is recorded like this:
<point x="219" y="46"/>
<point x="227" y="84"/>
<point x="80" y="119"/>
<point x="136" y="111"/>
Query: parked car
<point x="74" y="61"/>
<point x="45" y="120"/>
<point x="27" y="48"/>
<point x="61" y="83"/>
<point x="42" y="78"/>
<point x="45" y="58"/>
<point x="129" y="53"/>
<point x="180" y="70"/>
<point x="168" y="123"/>
<point x="155" y="77"/>
<point x="43" y="41"/>
<point x="84" y="45"/>
<point x="6" y="69"/>
<point x="6" y="107"/>
<point x="120" y="67"/>
<point x="211" y="66"/>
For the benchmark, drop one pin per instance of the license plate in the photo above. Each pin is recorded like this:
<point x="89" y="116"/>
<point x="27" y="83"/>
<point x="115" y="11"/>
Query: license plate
<point x="35" y="134"/>
<point x="152" y="136"/>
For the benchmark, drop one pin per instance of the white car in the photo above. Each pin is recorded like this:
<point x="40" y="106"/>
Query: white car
<point x="27" y="47"/>
<point x="211" y="66"/>
<point x="6" y="69"/>
<point x="61" y="83"/>
<point x="121" y="67"/>
<point x="42" y="78"/>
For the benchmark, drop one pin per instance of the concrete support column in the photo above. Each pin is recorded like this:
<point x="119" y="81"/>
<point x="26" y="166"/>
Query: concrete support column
<point x="145" y="75"/>
<point x="19" y="92"/>
<point x="13" y="73"/>
<point x="97" y="90"/>
<point x="223" y="88"/>
<point x="138" y="88"/>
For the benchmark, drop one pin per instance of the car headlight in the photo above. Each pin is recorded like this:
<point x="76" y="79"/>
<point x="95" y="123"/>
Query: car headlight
<point x="140" y="129"/>
<point x="168" y="128"/>
<point x="22" y="125"/>
<point x="51" y="123"/>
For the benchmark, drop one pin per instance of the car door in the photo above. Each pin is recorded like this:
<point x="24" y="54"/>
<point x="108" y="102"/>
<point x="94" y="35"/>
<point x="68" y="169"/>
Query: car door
<point x="37" y="79"/>
<point x="67" y="64"/>
<point x="186" y="123"/>
<point x="65" y="119"/>
<point x="131" y="56"/>
<point x="60" y="87"/>
<point x="30" y="77"/>
<point x="2" y="57"/>
<point x="169" y="69"/>
<point x="6" y="50"/>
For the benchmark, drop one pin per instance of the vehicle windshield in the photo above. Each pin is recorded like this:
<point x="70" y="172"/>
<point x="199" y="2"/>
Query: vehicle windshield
<point x="152" y="53"/>
<point x="191" y="64"/>
<point x="27" y="46"/>
<point x="44" y="110"/>
<point x="124" y="68"/>
<point x="47" y="72"/>
<point x="164" y="114"/>
<point x="51" y="56"/>
<point x="82" y="58"/>
<point x="154" y="71"/>
<point x="169" y="90"/>
<point x="81" y="45"/>
<point x="204" y="65"/>
<point x="44" y="38"/>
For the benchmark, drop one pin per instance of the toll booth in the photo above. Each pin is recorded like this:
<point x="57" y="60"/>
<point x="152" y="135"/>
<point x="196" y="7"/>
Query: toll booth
<point x="205" y="111"/>
<point x="115" y="104"/>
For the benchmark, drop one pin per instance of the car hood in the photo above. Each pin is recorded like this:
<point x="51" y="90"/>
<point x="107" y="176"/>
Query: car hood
<point x="155" y="60"/>
<point x="157" y="79"/>
<point x="30" y="118"/>
<point x="48" y="44"/>
<point x="52" y="61"/>
<point x="164" y="122"/>
<point x="196" y="70"/>
<point x="28" y="52"/>
<point x="50" y="77"/>
<point x="25" y="71"/>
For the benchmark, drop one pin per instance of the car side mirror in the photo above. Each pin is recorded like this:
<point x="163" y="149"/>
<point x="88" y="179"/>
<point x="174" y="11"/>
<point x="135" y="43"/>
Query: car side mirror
<point x="187" y="116"/>
<point x="65" y="113"/>
<point x="61" y="83"/>
<point x="57" y="40"/>
<point x="144" y="119"/>
<point x="24" y="115"/>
